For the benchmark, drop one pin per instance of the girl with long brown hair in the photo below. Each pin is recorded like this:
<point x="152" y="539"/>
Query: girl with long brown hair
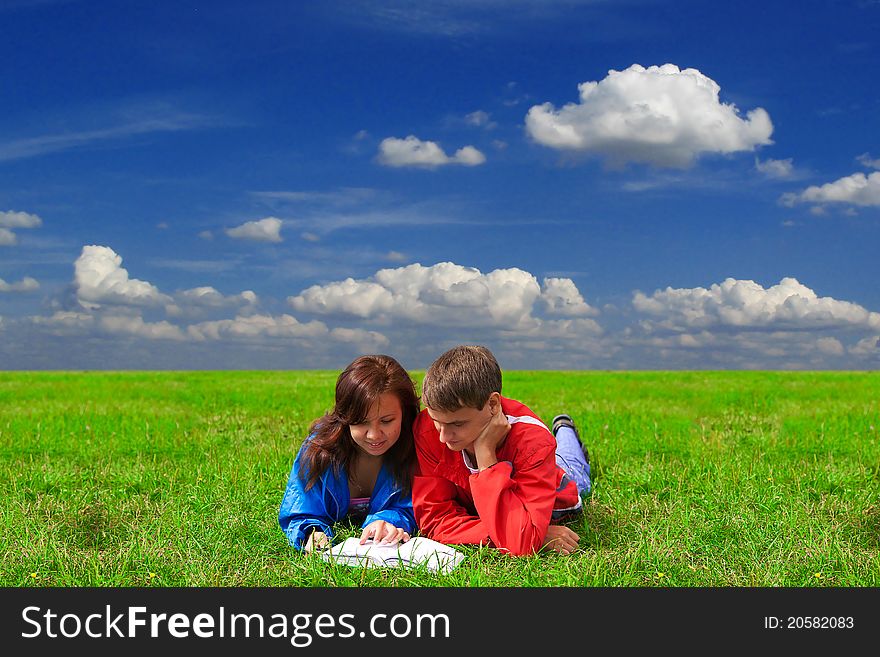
<point x="357" y="460"/>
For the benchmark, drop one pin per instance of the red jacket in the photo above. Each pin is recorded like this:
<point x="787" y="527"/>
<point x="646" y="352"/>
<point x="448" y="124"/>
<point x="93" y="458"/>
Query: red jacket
<point x="509" y="503"/>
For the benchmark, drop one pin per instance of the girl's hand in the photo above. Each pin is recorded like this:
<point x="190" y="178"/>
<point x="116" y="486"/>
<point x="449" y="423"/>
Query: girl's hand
<point x="383" y="533"/>
<point x="316" y="541"/>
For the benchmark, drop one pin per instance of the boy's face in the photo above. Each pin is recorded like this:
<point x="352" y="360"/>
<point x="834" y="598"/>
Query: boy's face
<point x="459" y="429"/>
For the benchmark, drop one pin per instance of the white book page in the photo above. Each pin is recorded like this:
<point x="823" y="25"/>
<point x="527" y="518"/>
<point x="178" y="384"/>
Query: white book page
<point x="418" y="551"/>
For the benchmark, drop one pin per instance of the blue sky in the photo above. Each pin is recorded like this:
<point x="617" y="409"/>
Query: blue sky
<point x="575" y="184"/>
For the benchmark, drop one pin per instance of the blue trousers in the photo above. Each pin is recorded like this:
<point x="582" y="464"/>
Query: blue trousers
<point x="570" y="457"/>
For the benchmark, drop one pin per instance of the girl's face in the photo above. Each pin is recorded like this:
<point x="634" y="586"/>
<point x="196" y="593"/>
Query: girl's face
<point x="381" y="429"/>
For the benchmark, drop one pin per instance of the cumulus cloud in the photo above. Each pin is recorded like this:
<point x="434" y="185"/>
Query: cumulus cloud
<point x="121" y="324"/>
<point x="99" y="278"/>
<point x="111" y="303"/>
<point x="10" y="220"/>
<point x="27" y="284"/>
<point x="420" y="310"/>
<point x="413" y="152"/>
<point x="869" y="346"/>
<point x="715" y="349"/>
<point x="776" y="169"/>
<point x="286" y="327"/>
<point x="262" y="230"/>
<point x="66" y="320"/>
<point x="348" y="297"/>
<point x="71" y="322"/>
<point x="744" y="304"/>
<point x="830" y="346"/>
<point x="208" y="298"/>
<point x="857" y="189"/>
<point x="13" y="219"/>
<point x="447" y="294"/>
<point x="561" y="297"/>
<point x="661" y="115"/>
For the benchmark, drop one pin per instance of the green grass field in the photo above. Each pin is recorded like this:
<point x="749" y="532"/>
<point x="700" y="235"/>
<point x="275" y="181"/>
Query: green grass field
<point x="701" y="479"/>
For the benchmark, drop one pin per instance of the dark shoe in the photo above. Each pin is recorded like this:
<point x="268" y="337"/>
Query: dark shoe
<point x="566" y="421"/>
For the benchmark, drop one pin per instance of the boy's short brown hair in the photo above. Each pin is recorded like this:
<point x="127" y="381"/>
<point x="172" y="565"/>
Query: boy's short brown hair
<point x="463" y="376"/>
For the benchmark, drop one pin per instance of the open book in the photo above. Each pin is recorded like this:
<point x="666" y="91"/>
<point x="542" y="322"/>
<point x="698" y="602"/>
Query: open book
<point x="418" y="551"/>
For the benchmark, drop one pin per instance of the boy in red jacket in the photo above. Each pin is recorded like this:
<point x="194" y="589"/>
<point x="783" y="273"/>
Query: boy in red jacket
<point x="489" y="471"/>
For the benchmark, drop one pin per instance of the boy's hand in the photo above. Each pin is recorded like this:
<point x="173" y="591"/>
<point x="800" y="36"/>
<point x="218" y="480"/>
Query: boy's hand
<point x="490" y="438"/>
<point x="383" y="533"/>
<point x="316" y="541"/>
<point x="561" y="539"/>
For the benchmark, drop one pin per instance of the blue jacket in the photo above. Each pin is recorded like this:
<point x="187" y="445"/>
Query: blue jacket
<point x="327" y="502"/>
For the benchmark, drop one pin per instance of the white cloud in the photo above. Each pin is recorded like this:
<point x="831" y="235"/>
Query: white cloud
<point x="11" y="219"/>
<point x="396" y="256"/>
<point x="744" y="304"/>
<point x="413" y="152"/>
<point x="721" y="349"/>
<point x="421" y="310"/>
<point x="447" y="294"/>
<point x="868" y="161"/>
<point x="136" y="326"/>
<point x="70" y="322"/>
<point x="776" y="169"/>
<point x="469" y="156"/>
<point x="66" y="320"/>
<point x="262" y="230"/>
<point x="99" y="278"/>
<point x="208" y="298"/>
<point x="560" y="330"/>
<point x="869" y="346"/>
<point x="480" y="119"/>
<point x="857" y="189"/>
<point x="287" y="327"/>
<point x="661" y="115"/>
<point x="348" y="297"/>
<point x="561" y="297"/>
<point x="830" y="346"/>
<point x="27" y="284"/>
<point x="367" y="341"/>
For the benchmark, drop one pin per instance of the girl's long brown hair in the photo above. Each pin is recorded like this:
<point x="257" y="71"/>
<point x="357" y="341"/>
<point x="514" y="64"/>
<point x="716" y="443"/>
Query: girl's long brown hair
<point x="358" y="388"/>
